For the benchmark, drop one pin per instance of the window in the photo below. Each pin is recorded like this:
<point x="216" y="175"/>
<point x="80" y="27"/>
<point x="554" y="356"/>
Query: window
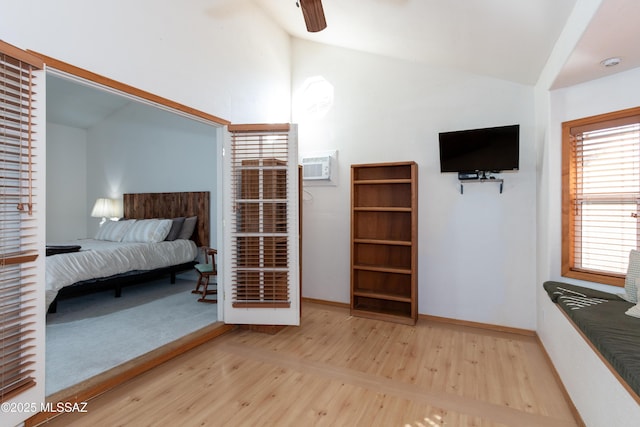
<point x="600" y="195"/>
<point x="18" y="225"/>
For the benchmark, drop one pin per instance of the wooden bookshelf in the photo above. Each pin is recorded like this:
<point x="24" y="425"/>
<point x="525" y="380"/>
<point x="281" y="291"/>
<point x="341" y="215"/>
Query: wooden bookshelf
<point x="384" y="231"/>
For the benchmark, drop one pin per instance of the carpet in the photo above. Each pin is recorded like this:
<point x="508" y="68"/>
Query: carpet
<point x="93" y="333"/>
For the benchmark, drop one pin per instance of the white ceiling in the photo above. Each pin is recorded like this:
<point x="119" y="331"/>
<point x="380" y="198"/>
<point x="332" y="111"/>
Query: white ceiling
<point x="613" y="32"/>
<point x="79" y="106"/>
<point x="506" y="39"/>
<point x="82" y="104"/>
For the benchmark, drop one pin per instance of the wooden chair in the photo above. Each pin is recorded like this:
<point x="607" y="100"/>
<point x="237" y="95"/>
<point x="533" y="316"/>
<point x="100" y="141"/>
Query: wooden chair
<point x="205" y="271"/>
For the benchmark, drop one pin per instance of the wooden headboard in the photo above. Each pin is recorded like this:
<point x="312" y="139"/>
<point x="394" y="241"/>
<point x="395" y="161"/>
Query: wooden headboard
<point x="171" y="205"/>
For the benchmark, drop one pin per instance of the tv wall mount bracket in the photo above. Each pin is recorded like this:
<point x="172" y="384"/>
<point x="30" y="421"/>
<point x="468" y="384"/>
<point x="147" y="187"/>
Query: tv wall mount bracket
<point x="466" y="178"/>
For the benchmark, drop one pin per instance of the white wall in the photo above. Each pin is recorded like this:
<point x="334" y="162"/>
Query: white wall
<point x="604" y="95"/>
<point x="141" y="149"/>
<point x="67" y="207"/>
<point x="614" y="93"/>
<point x="242" y="63"/>
<point x="476" y="251"/>
<point x="226" y="58"/>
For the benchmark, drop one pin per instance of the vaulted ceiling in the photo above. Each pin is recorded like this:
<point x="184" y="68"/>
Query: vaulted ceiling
<point x="506" y="39"/>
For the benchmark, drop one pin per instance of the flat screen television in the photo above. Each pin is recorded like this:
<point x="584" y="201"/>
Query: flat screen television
<point x="494" y="149"/>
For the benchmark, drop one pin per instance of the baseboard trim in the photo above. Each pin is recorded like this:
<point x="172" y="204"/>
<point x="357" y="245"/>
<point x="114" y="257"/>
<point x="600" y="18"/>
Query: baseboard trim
<point x="326" y="302"/>
<point x="486" y="326"/>
<point x="264" y="329"/>
<point x="428" y="317"/>
<point x="108" y="380"/>
<point x="572" y="407"/>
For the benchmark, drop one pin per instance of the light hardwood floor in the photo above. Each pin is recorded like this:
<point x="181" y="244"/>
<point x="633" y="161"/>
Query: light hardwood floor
<point x="338" y="370"/>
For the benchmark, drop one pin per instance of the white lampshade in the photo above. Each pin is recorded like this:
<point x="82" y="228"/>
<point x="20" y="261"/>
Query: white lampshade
<point x="104" y="208"/>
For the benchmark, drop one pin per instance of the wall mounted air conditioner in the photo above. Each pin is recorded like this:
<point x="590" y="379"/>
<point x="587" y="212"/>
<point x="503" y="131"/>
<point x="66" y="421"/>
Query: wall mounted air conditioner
<point x="316" y="168"/>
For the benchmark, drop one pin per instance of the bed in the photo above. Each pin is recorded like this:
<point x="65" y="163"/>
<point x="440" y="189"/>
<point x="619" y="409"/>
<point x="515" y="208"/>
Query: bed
<point x="159" y="235"/>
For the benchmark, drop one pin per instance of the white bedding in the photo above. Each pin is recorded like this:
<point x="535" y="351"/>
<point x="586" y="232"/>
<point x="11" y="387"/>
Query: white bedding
<point x="100" y="258"/>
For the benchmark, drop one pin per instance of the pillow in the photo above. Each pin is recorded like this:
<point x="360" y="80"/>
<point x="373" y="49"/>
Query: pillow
<point x="633" y="274"/>
<point x="148" y="231"/>
<point x="176" y="226"/>
<point x="635" y="310"/>
<point x="114" y="231"/>
<point x="187" y="228"/>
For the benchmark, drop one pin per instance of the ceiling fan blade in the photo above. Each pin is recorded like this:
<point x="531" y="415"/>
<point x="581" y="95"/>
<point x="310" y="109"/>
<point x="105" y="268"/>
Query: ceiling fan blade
<point x="313" y="15"/>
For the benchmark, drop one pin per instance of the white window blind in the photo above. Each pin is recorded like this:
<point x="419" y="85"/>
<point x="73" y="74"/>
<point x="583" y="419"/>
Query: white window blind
<point x="605" y="194"/>
<point x="18" y="246"/>
<point x="261" y="229"/>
